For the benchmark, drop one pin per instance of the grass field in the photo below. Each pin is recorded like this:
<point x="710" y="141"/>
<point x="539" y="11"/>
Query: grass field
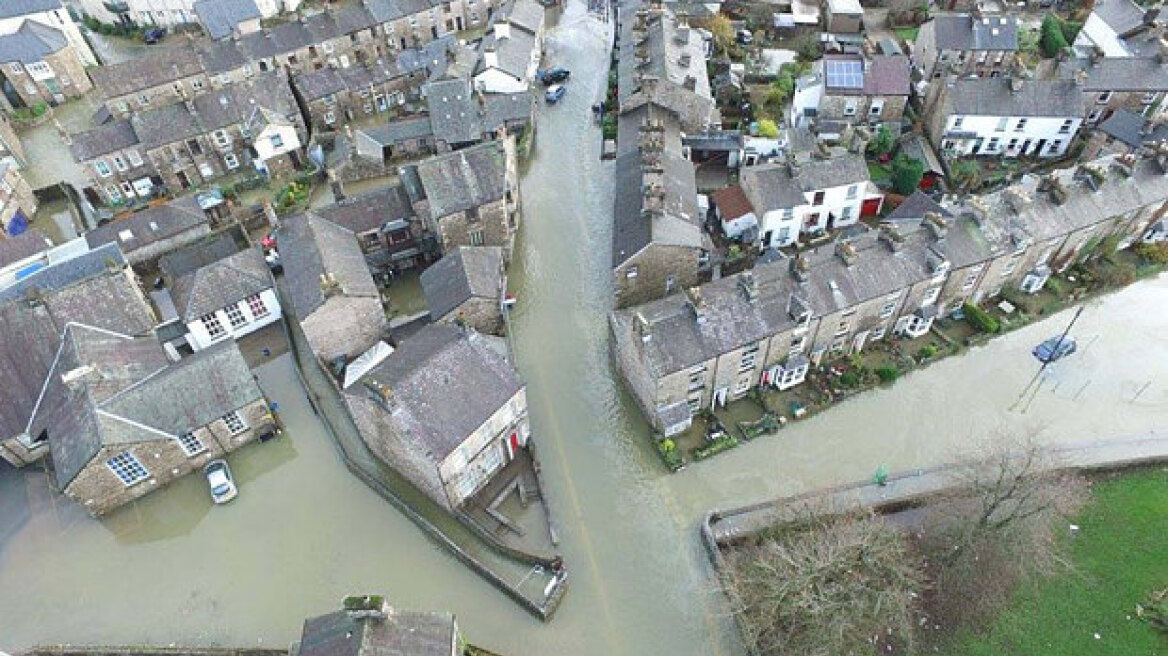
<point x="1120" y="553"/>
<point x="907" y="33"/>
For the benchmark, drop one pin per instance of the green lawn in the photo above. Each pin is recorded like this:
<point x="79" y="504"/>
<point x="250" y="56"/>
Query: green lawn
<point x="1120" y="553"/>
<point x="907" y="33"/>
<point x="878" y="171"/>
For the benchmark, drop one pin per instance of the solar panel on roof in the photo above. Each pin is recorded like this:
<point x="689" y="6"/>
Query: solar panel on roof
<point x="846" y="74"/>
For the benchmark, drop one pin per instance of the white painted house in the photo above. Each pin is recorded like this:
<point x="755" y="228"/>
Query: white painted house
<point x="13" y="14"/>
<point x="811" y="197"/>
<point x="220" y="298"/>
<point x="735" y="212"/>
<point x="510" y="53"/>
<point x="1005" y="117"/>
<point x="276" y="137"/>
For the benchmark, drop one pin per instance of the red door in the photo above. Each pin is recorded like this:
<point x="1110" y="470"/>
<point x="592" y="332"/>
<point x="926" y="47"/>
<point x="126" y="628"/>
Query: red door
<point x="871" y="207"/>
<point x="514" y="443"/>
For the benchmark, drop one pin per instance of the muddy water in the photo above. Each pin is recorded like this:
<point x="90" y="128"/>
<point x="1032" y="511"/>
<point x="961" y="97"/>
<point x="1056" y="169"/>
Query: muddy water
<point x="174" y="569"/>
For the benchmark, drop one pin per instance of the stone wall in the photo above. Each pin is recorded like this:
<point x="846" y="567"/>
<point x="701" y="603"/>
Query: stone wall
<point x="492" y="221"/>
<point x="654" y="266"/>
<point x="482" y="314"/>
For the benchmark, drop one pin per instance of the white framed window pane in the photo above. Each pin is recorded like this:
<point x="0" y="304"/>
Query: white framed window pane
<point x="235" y="315"/>
<point x="234" y="422"/>
<point x="211" y="323"/>
<point x="191" y="445"/>
<point x="127" y="468"/>
<point x="257" y="306"/>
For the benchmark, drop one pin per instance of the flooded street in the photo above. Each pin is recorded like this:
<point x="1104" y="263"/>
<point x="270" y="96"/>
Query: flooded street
<point x="304" y="531"/>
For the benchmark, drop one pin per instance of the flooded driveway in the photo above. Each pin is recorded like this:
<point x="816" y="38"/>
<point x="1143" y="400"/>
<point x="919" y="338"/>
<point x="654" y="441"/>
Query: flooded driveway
<point x="304" y="532"/>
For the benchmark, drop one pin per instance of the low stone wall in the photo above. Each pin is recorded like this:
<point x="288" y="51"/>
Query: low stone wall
<point x="69" y="650"/>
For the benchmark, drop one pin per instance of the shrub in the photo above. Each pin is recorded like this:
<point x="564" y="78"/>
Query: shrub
<point x="887" y="374"/>
<point x="1053" y="39"/>
<point x="927" y="351"/>
<point x="1056" y="287"/>
<point x="981" y="319"/>
<point x="668" y="450"/>
<point x="724" y="443"/>
<point x="882" y="143"/>
<point x="849" y="379"/>
<point x="906" y="174"/>
<point x="1152" y="253"/>
<point x="767" y="129"/>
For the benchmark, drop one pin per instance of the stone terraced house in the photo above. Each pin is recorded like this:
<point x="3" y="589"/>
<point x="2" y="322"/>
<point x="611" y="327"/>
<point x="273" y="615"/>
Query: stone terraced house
<point x="766" y="327"/>
<point x="468" y="287"/>
<point x="850" y="89"/>
<point x="979" y="44"/>
<point x="469" y="197"/>
<point x="389" y="232"/>
<point x="40" y="65"/>
<point x="445" y="409"/>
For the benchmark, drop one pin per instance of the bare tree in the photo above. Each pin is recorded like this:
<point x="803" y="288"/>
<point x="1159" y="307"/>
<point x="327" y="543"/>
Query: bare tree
<point x="826" y="584"/>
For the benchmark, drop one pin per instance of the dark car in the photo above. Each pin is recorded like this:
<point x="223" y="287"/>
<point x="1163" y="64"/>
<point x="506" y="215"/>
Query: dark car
<point x="1055" y="348"/>
<point x="153" y="35"/>
<point x="554" y="76"/>
<point x="554" y="93"/>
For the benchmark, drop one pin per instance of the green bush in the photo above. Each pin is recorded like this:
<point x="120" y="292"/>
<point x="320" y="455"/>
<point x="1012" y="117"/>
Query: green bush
<point x="767" y="129"/>
<point x="724" y="443"/>
<point x="981" y="319"/>
<point x="849" y="379"/>
<point x="1054" y="40"/>
<point x="887" y="374"/>
<point x="1056" y="287"/>
<point x="927" y="351"/>
<point x="667" y="448"/>
<point x="1152" y="253"/>
<point x="882" y="143"/>
<point x="906" y="174"/>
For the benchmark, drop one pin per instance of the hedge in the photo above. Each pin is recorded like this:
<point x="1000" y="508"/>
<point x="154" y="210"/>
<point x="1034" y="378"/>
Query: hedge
<point x="981" y="319"/>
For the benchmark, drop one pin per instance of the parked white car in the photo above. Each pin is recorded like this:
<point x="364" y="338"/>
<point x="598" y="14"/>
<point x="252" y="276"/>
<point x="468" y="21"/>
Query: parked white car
<point x="219" y="478"/>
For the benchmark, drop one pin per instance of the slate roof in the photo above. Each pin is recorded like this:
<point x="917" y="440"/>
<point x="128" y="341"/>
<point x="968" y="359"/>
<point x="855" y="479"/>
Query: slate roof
<point x="884" y="75"/>
<point x="220" y="56"/>
<point x="102" y="140"/>
<point x="30" y="43"/>
<point x="964" y="32"/>
<point x="1121" y="15"/>
<point x="22" y="246"/>
<point x="398" y="130"/>
<point x="146" y="72"/>
<point x="387" y="10"/>
<point x="677" y="222"/>
<point x="526" y="14"/>
<point x="221" y="283"/>
<point x="369" y="211"/>
<point x="444" y="382"/>
<point x="220" y="17"/>
<point x="310" y="247"/>
<point x="151" y="225"/>
<point x="134" y="394"/>
<point x="779" y="186"/>
<point x="78" y="290"/>
<point x="513" y="53"/>
<point x="993" y="97"/>
<point x="1129" y="127"/>
<point x="1123" y="74"/>
<point x="14" y="8"/>
<point x="186" y="260"/>
<point x="454" y="114"/>
<point x="319" y="84"/>
<point x="914" y="208"/>
<point x="464" y="179"/>
<point x="402" y="633"/>
<point x="467" y="272"/>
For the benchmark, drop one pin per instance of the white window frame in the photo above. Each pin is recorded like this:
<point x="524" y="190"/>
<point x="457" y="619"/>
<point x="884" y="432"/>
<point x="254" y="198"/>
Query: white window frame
<point x="103" y="169"/>
<point x="127" y="468"/>
<point x="235" y="423"/>
<point x="213" y="325"/>
<point x="235" y="316"/>
<point x="134" y="157"/>
<point x="230" y="161"/>
<point x="191" y="444"/>
<point x="222" y="139"/>
<point x="257" y="307"/>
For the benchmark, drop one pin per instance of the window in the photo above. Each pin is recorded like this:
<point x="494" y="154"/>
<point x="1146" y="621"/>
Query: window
<point x="256" y="304"/>
<point x="1002" y="124"/>
<point x="127" y="188"/>
<point x="957" y="122"/>
<point x="1066" y="126"/>
<point x="143" y="100"/>
<point x="850" y="108"/>
<point x="190" y="444"/>
<point x="135" y="158"/>
<point x="15" y="68"/>
<point x="277" y="141"/>
<point x="1054" y="146"/>
<point x="119" y="163"/>
<point x="330" y="117"/>
<point x="852" y="191"/>
<point x="234" y="422"/>
<point x="931" y="295"/>
<point x="222" y="139"/>
<point x="327" y="46"/>
<point x="1104" y="97"/>
<point x="889" y="307"/>
<point x="876" y="108"/>
<point x="1150" y="97"/>
<point x="742" y="385"/>
<point x="1021" y="125"/>
<point x="749" y="355"/>
<point x="197" y="85"/>
<point x="846" y="213"/>
<point x="696" y="379"/>
<point x="114" y="194"/>
<point x="670" y="284"/>
<point x="818" y="200"/>
<point x="122" y="107"/>
<point x="970" y="279"/>
<point x="631" y="272"/>
<point x="194" y="146"/>
<point x="476" y="237"/>
<point x="178" y="88"/>
<point x="214" y="328"/>
<point x="103" y="169"/>
<point x="39" y="69"/>
<point x="993" y="144"/>
<point x="796" y="346"/>
<point x="235" y="315"/>
<point x="127" y="468"/>
<point x="231" y="161"/>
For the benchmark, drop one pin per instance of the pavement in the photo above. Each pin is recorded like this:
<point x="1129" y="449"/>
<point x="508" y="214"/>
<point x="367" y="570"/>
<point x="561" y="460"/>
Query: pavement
<point x="731" y="524"/>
